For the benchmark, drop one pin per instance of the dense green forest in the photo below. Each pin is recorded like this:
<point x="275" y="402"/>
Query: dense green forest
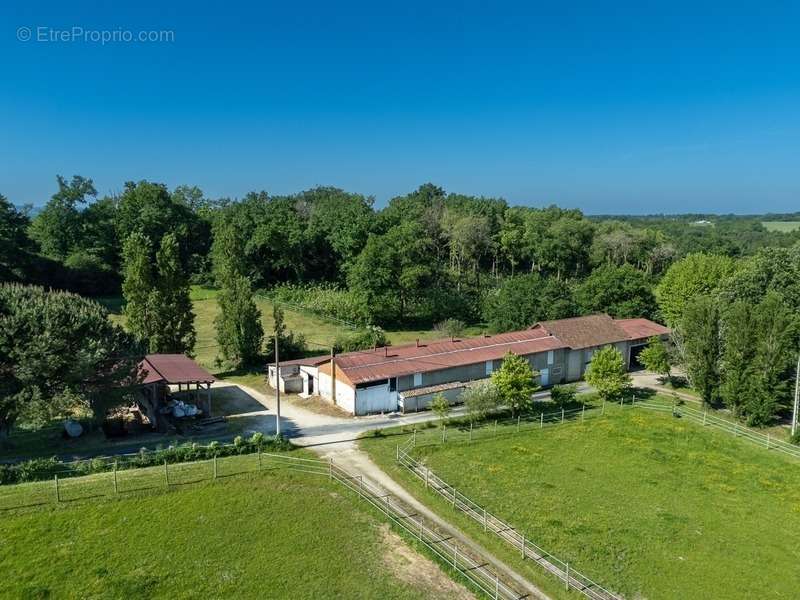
<point x="728" y="285"/>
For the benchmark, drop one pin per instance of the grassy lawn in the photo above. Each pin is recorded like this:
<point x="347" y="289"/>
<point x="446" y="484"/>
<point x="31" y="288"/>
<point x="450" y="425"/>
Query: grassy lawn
<point x="782" y="226"/>
<point x="265" y="535"/>
<point x="648" y="505"/>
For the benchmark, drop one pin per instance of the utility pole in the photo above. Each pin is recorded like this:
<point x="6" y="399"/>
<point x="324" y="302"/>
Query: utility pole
<point x="277" y="389"/>
<point x="333" y="376"/>
<point x="796" y="397"/>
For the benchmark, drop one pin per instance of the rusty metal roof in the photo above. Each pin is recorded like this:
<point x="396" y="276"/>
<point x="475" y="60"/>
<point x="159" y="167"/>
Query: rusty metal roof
<point x="584" y="332"/>
<point x="394" y="361"/>
<point x="172" y="369"/>
<point x="576" y="333"/>
<point x="637" y="329"/>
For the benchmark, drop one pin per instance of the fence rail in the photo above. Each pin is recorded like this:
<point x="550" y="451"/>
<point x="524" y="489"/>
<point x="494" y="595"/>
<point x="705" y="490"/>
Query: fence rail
<point x="117" y="482"/>
<point x="574" y="580"/>
<point x="702" y="417"/>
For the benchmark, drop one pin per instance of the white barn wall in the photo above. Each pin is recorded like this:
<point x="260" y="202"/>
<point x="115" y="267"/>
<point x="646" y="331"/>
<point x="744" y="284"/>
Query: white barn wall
<point x="345" y="395"/>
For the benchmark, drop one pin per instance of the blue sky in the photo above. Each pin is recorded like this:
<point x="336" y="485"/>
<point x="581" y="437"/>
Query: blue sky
<point x="610" y="107"/>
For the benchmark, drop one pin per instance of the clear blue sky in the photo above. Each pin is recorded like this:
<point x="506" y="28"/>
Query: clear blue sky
<point x="605" y="106"/>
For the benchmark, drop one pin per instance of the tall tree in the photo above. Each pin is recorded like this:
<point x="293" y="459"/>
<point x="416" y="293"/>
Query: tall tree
<point x="693" y="276"/>
<point x="138" y="283"/>
<point x="698" y="338"/>
<point x="515" y="383"/>
<point x="607" y="374"/>
<point x="239" y="331"/>
<point x="170" y="303"/>
<point x="521" y="301"/>
<point x="58" y="351"/>
<point x="15" y="245"/>
<point x="738" y="365"/>
<point x="57" y="228"/>
<point x="238" y="325"/>
<point x="622" y="291"/>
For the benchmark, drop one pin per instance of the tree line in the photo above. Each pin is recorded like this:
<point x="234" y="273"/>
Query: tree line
<point x="729" y="289"/>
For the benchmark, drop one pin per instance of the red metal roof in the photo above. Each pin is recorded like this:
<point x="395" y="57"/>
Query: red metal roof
<point x="394" y="361"/>
<point x="637" y="329"/>
<point x="172" y="368"/>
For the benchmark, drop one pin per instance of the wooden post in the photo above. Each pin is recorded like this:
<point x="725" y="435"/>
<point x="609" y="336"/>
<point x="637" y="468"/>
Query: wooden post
<point x="387" y="503"/>
<point x="541" y="420"/>
<point x="767" y="441"/>
<point x="523" y="546"/>
<point x="333" y="377"/>
<point x="484" y="519"/>
<point x="603" y="408"/>
<point x="397" y="452"/>
<point x="214" y="460"/>
<point x="444" y="433"/>
<point x="330" y="469"/>
<point x="496" y="587"/>
<point x="116" y="485"/>
<point x="583" y="412"/>
<point x="58" y="494"/>
<point x="705" y="412"/>
<point x="427" y="472"/>
<point x="421" y="528"/>
<point x="259" y="457"/>
<point x="621" y="398"/>
<point x="470" y="431"/>
<point x="495" y="428"/>
<point x="414" y="442"/>
<point x="566" y="579"/>
<point x="166" y="473"/>
<point x="633" y="401"/>
<point x="518" y="417"/>
<point x="455" y="555"/>
<point x="454" y="497"/>
<point x="562" y="414"/>
<point x="278" y="389"/>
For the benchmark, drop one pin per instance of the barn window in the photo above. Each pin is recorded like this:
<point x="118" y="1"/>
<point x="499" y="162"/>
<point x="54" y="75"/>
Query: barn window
<point x="417" y="379"/>
<point x="393" y="384"/>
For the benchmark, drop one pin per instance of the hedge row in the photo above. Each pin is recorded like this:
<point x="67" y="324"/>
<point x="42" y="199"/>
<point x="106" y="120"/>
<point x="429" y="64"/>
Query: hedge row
<point x="38" y="469"/>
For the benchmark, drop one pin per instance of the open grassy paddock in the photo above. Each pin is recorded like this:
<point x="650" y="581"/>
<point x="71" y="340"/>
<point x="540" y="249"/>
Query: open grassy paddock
<point x="646" y="504"/>
<point x="782" y="226"/>
<point x="250" y="535"/>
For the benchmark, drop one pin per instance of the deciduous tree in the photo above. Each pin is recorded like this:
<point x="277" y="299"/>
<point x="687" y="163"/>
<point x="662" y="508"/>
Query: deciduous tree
<point x="607" y="374"/>
<point x="515" y="382"/>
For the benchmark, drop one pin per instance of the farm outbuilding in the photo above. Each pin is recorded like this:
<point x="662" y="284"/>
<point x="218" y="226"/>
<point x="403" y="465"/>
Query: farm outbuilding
<point x="157" y="372"/>
<point x="406" y="378"/>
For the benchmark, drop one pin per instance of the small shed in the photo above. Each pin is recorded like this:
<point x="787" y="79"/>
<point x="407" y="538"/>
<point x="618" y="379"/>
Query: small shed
<point x="159" y="371"/>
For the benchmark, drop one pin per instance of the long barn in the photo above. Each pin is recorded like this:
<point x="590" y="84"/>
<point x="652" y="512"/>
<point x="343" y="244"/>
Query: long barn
<point x="405" y="378"/>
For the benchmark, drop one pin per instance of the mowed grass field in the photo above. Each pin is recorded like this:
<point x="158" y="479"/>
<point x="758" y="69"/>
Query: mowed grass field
<point x="646" y="504"/>
<point x="275" y="534"/>
<point x="783" y="226"/>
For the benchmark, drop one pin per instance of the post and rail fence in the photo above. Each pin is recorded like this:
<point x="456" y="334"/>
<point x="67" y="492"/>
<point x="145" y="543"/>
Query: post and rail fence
<point x="571" y="578"/>
<point x="476" y="571"/>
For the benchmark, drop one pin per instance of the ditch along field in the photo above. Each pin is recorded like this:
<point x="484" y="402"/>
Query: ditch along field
<point x="272" y="534"/>
<point x="646" y="504"/>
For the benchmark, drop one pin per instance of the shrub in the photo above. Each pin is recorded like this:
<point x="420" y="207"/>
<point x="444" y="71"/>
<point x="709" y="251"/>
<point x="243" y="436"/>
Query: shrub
<point x="363" y="339"/>
<point x="563" y="395"/>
